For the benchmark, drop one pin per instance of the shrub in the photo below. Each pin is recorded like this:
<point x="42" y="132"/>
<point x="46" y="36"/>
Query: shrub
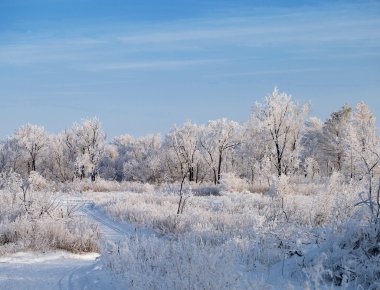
<point x="351" y="259"/>
<point x="231" y="183"/>
<point x="47" y="234"/>
<point x="186" y="263"/>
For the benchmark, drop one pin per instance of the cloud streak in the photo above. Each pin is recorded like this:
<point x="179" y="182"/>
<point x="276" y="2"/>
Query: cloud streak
<point x="196" y="42"/>
<point x="150" y="65"/>
<point x="303" y="28"/>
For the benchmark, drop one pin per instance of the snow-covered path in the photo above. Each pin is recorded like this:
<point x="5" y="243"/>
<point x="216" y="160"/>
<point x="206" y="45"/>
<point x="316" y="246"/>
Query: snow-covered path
<point x="54" y="270"/>
<point x="61" y="270"/>
<point x="112" y="231"/>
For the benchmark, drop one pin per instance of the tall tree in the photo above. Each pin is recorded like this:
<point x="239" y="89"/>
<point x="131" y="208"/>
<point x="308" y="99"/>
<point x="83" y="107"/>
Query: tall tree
<point x="90" y="139"/>
<point x="281" y="120"/>
<point x="184" y="142"/>
<point x="140" y="157"/>
<point x="333" y="142"/>
<point x="217" y="138"/>
<point x="363" y="138"/>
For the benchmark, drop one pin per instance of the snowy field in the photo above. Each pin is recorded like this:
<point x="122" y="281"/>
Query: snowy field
<point x="237" y="241"/>
<point x="233" y="240"/>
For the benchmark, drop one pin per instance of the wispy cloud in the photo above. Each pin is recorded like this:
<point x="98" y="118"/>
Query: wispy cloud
<point x="261" y="72"/>
<point x="303" y="28"/>
<point x="150" y="65"/>
<point x="198" y="41"/>
<point x="49" y="50"/>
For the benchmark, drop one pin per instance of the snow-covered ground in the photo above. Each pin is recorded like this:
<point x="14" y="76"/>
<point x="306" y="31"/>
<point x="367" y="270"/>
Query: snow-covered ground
<point x="233" y="241"/>
<point x="53" y="270"/>
<point x="63" y="270"/>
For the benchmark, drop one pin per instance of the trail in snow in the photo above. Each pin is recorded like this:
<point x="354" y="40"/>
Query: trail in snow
<point x="61" y="270"/>
<point x="53" y="270"/>
<point x="113" y="231"/>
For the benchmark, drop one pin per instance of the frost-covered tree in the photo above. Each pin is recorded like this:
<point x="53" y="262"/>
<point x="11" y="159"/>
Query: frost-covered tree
<point x="251" y="152"/>
<point x="63" y="153"/>
<point x="107" y="166"/>
<point x="364" y="141"/>
<point x="31" y="139"/>
<point x="363" y="133"/>
<point x="281" y="120"/>
<point x="310" y="139"/>
<point x="140" y="157"/>
<point x="311" y="167"/>
<point x="333" y="142"/>
<point x="184" y="143"/>
<point x="12" y="158"/>
<point x="216" y="139"/>
<point x="90" y="139"/>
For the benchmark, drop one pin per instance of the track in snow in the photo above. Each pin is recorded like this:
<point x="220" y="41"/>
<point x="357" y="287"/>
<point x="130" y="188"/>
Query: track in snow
<point x="62" y="271"/>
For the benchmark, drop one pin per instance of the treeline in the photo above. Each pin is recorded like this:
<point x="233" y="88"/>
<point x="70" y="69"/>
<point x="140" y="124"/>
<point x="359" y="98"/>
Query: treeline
<point x="278" y="138"/>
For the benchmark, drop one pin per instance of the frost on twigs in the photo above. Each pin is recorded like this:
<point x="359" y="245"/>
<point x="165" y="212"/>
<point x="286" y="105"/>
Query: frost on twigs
<point x="33" y="218"/>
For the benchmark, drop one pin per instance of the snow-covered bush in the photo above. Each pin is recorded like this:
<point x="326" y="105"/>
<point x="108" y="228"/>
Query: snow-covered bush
<point x="335" y="182"/>
<point x="38" y="183"/>
<point x="259" y="187"/>
<point x="46" y="234"/>
<point x="138" y="187"/>
<point x="37" y="220"/>
<point x="350" y="259"/>
<point x="186" y="263"/>
<point x="283" y="184"/>
<point x="10" y="181"/>
<point x="205" y="190"/>
<point x="102" y="185"/>
<point x="279" y="186"/>
<point x="229" y="182"/>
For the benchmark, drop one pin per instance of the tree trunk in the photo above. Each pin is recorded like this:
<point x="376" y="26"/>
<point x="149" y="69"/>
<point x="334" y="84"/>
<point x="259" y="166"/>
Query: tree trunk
<point x="339" y="162"/>
<point x="219" y="166"/>
<point x="279" y="169"/>
<point x="82" y="174"/>
<point x="191" y="173"/>
<point x="33" y="164"/>
<point x="181" y="195"/>
<point x="215" y="178"/>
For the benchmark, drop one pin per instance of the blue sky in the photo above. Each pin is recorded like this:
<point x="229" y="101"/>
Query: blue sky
<point x="142" y="66"/>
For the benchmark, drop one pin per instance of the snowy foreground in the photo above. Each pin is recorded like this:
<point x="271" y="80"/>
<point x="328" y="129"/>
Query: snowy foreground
<point x="64" y="270"/>
<point x="230" y="241"/>
<point x="60" y="269"/>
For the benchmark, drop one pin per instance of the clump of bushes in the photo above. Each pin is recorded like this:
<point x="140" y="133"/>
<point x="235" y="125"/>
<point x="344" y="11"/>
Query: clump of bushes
<point x="33" y="218"/>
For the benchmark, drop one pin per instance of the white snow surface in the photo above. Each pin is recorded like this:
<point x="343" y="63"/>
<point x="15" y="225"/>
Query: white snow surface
<point x="62" y="270"/>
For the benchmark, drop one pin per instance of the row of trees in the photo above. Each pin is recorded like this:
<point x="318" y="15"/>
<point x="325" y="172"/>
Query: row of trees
<point x="278" y="138"/>
<point x="74" y="153"/>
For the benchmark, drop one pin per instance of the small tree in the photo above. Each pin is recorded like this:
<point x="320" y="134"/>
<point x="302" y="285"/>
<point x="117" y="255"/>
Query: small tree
<point x="32" y="139"/>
